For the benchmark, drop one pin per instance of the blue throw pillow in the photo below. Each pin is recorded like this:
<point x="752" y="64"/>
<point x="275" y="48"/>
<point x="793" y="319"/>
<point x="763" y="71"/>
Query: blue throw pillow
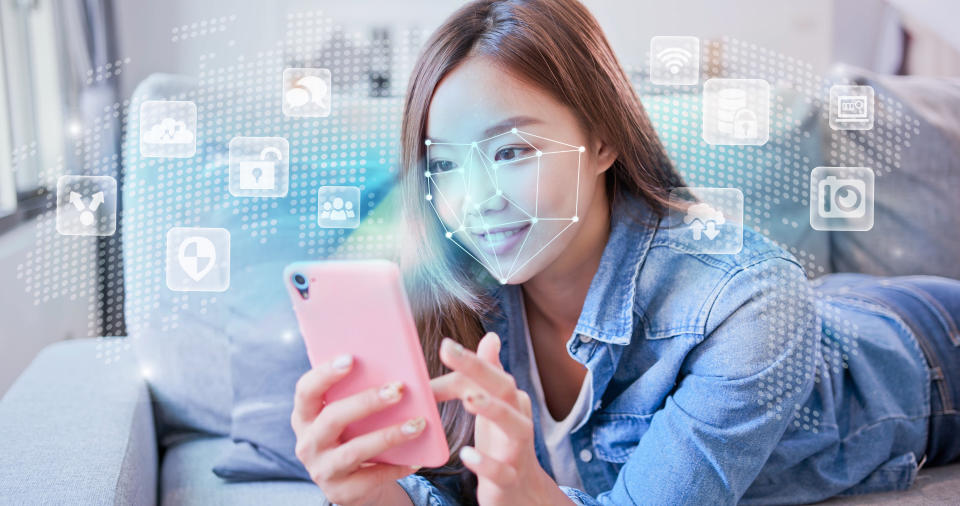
<point x="267" y="354"/>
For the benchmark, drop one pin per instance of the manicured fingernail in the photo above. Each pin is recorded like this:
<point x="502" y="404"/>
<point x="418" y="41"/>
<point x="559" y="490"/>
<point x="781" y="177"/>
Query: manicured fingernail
<point x="413" y="426"/>
<point x="415" y="468"/>
<point x="453" y="346"/>
<point x="469" y="455"/>
<point x="477" y="399"/>
<point x="343" y="362"/>
<point x="391" y="391"/>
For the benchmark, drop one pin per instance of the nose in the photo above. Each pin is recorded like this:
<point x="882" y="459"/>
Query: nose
<point x="483" y="195"/>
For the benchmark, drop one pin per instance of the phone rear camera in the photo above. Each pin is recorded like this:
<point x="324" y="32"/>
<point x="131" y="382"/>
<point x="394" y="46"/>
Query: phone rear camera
<point x="301" y="284"/>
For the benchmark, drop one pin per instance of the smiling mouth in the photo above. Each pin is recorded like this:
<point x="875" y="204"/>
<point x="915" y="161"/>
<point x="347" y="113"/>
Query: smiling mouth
<point x="499" y="240"/>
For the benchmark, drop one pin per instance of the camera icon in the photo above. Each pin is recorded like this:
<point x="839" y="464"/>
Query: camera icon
<point x="841" y="198"/>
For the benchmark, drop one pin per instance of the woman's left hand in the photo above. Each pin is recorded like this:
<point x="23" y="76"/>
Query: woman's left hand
<point x="503" y="458"/>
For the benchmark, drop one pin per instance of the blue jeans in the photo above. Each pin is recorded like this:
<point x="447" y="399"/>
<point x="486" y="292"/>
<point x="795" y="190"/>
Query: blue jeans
<point x="930" y="306"/>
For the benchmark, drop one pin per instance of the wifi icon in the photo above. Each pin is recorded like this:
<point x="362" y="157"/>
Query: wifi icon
<point x="675" y="60"/>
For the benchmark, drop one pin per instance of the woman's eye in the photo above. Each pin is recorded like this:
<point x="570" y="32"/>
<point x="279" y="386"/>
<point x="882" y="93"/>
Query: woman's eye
<point x="441" y="165"/>
<point x="508" y="154"/>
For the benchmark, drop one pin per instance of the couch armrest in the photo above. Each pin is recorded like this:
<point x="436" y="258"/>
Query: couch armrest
<point x="75" y="430"/>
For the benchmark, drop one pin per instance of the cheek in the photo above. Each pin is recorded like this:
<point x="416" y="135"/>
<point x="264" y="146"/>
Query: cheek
<point x="520" y="186"/>
<point x="559" y="193"/>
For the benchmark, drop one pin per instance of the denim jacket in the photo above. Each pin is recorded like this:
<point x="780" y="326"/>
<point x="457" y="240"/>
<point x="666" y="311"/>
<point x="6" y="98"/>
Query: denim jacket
<point x="724" y="379"/>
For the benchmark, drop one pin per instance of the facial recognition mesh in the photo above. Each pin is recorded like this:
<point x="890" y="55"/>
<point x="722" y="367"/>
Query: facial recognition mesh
<point x="464" y="180"/>
<point x="357" y="145"/>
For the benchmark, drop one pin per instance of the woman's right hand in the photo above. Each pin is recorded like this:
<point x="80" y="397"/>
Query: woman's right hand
<point x="338" y="466"/>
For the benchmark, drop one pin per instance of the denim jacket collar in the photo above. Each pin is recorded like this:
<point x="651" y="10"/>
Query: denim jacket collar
<point x="607" y="313"/>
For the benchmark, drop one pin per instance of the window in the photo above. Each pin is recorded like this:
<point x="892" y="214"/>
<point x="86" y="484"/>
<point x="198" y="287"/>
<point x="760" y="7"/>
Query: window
<point x="31" y="103"/>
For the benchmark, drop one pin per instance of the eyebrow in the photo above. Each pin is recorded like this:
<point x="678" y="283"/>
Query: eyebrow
<point x="502" y="126"/>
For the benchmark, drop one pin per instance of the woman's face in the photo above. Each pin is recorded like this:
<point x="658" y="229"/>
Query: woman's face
<point x="511" y="173"/>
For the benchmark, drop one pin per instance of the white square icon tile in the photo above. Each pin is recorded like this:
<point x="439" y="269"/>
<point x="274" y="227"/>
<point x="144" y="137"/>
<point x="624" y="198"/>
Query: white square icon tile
<point x="707" y="220"/>
<point x="338" y="207"/>
<point x="851" y="107"/>
<point x="841" y="198"/>
<point x="675" y="60"/>
<point x="86" y="205"/>
<point x="259" y="167"/>
<point x="736" y="111"/>
<point x="198" y="259"/>
<point x="168" y="129"/>
<point x="307" y="92"/>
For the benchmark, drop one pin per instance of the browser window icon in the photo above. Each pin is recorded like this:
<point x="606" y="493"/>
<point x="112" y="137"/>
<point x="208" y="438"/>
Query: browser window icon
<point x="852" y="108"/>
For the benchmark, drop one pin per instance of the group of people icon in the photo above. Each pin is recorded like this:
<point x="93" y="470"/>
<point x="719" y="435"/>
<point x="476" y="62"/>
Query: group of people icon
<point x="337" y="210"/>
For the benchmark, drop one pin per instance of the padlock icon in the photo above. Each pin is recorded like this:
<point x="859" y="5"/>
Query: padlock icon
<point x="745" y="124"/>
<point x="259" y="174"/>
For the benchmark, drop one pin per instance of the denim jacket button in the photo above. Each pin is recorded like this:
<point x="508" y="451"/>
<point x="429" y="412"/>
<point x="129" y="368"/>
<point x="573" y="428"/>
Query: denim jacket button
<point x="585" y="339"/>
<point x="585" y="455"/>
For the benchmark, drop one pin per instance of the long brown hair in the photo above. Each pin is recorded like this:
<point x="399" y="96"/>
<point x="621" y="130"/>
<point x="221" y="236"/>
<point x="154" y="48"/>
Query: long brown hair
<point x="557" y="46"/>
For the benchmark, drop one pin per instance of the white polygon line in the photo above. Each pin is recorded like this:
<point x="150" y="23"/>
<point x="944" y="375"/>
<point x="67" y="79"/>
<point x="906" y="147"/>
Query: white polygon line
<point x="519" y="132"/>
<point x="495" y="166"/>
<point x="461" y="226"/>
<point x="541" y="249"/>
<point x="485" y="262"/>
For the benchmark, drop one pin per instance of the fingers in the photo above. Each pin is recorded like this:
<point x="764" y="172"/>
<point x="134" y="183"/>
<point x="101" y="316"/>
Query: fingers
<point x="329" y="424"/>
<point x="360" y="486"/>
<point x="350" y="455"/>
<point x="503" y="475"/>
<point x="489" y="349"/>
<point x="490" y="377"/>
<point x="308" y="396"/>
<point x="509" y="418"/>
<point x="451" y="386"/>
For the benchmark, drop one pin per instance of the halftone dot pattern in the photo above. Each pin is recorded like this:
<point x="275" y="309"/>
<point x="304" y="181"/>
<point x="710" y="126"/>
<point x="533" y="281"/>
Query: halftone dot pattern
<point x="840" y="337"/>
<point x="241" y="96"/>
<point x="775" y="176"/>
<point x="788" y="343"/>
<point x="201" y="28"/>
<point x="63" y="266"/>
<point x="106" y="71"/>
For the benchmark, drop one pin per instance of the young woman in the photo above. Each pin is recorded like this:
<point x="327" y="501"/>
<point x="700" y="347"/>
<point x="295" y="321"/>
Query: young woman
<point x="620" y="365"/>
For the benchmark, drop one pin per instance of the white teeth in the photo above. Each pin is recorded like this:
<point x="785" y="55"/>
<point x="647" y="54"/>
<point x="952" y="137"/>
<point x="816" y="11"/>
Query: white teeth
<point x="500" y="236"/>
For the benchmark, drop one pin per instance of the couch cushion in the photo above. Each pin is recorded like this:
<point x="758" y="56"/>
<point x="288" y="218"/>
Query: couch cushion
<point x="914" y="150"/>
<point x="185" y="479"/>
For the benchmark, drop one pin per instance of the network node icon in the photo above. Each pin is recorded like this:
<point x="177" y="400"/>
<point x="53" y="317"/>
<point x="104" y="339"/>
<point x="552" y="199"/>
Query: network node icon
<point x="259" y="167"/>
<point x="86" y="205"/>
<point x="736" y="111"/>
<point x="168" y="129"/>
<point x="851" y="107"/>
<point x="307" y="92"/>
<point x="707" y="220"/>
<point x="841" y="198"/>
<point x="198" y="259"/>
<point x="338" y="207"/>
<point x="675" y="60"/>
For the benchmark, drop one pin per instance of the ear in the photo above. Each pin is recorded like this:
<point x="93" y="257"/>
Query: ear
<point x="605" y="155"/>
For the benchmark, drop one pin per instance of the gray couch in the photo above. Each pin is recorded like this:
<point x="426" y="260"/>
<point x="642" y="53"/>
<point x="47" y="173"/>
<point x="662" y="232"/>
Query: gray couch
<point x="74" y="430"/>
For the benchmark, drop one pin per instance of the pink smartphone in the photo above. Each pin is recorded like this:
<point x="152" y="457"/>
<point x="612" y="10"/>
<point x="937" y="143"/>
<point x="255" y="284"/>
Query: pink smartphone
<point x="360" y="308"/>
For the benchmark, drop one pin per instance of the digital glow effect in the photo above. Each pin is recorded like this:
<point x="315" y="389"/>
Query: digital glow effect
<point x="465" y="179"/>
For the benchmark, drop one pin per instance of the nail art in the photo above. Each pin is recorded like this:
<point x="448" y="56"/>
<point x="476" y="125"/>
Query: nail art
<point x="391" y="391"/>
<point x="413" y="426"/>
<point x="477" y="399"/>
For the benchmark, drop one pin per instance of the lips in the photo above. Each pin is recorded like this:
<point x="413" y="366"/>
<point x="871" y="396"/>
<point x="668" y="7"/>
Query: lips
<point x="500" y="240"/>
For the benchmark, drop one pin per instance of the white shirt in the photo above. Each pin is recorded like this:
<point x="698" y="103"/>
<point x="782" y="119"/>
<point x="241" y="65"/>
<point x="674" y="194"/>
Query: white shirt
<point x="556" y="433"/>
